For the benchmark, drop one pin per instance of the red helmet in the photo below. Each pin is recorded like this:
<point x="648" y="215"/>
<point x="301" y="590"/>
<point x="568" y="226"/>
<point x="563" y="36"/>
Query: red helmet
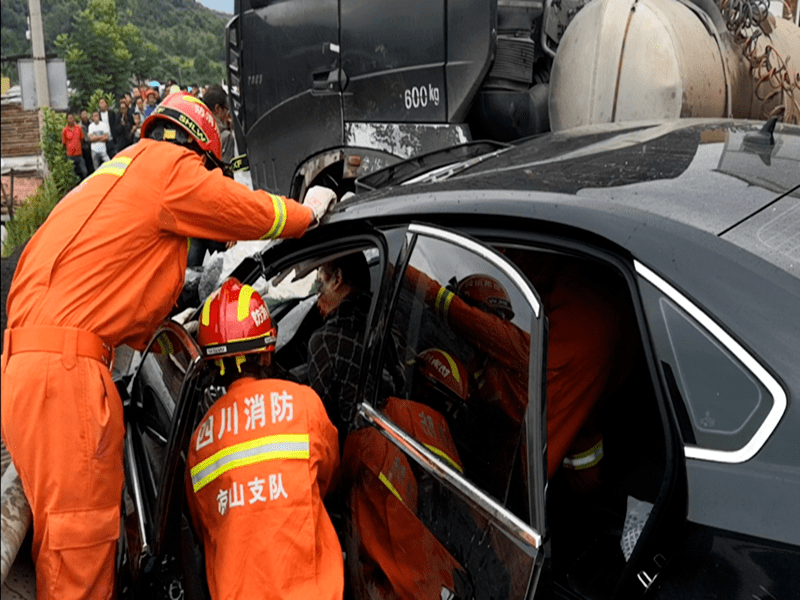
<point x="192" y="116"/>
<point x="442" y="372"/>
<point x="235" y="320"/>
<point x="487" y="293"/>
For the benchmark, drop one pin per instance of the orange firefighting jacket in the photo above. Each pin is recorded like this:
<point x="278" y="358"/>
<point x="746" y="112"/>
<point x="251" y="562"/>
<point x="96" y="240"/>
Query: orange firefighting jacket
<point x="581" y="362"/>
<point x="393" y="552"/>
<point x="258" y="467"/>
<point x="111" y="257"/>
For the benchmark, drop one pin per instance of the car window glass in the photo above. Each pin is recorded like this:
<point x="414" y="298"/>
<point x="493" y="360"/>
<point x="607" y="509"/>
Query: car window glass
<point x="411" y="536"/>
<point x="466" y="362"/>
<point x="324" y="352"/>
<point x="724" y="402"/>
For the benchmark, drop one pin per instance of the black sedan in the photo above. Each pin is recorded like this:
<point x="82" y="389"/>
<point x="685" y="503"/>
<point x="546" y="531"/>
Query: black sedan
<point x="690" y="232"/>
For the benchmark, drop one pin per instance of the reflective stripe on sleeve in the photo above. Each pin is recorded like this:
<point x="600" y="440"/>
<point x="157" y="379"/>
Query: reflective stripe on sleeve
<point x="115" y="166"/>
<point x="443" y="299"/>
<point x="279" y="207"/>
<point x="585" y="460"/>
<point x="271" y="447"/>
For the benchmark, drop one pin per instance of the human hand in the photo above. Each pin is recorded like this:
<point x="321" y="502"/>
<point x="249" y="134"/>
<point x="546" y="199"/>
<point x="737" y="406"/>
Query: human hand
<point x="319" y="199"/>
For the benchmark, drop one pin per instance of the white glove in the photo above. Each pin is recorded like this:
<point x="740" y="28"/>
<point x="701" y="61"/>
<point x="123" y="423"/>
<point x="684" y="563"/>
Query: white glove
<point x="190" y="326"/>
<point x="183" y="315"/>
<point x="319" y="199"/>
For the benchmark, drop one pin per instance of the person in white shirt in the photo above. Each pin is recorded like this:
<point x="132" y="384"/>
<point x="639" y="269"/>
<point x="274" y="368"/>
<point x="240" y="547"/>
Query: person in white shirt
<point x="98" y="135"/>
<point x="109" y="118"/>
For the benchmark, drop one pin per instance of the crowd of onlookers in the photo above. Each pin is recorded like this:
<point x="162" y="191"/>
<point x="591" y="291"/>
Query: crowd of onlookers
<point x="97" y="136"/>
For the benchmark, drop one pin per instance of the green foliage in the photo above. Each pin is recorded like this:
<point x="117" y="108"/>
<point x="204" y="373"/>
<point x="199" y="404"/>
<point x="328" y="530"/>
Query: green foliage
<point x="30" y="215"/>
<point x="180" y="39"/>
<point x="94" y="101"/>
<point x="95" y="52"/>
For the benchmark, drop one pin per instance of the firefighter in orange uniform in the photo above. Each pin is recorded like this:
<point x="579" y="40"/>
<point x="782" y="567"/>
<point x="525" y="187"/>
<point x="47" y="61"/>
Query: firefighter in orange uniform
<point x="588" y="353"/>
<point x="259" y="464"/>
<point x="105" y="269"/>
<point x="391" y="551"/>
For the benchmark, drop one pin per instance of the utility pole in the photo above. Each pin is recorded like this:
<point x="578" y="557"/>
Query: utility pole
<point x="39" y="58"/>
<point x="39" y="63"/>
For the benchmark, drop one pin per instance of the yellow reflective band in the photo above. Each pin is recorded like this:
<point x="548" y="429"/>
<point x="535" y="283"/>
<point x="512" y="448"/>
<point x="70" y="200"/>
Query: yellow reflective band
<point x="205" y="319"/>
<point x="243" y="309"/>
<point x="279" y="207"/>
<point x="443" y="299"/>
<point x="453" y="367"/>
<point x="447" y="459"/>
<point x="270" y="447"/>
<point x="389" y="485"/>
<point x="193" y="99"/>
<point x="585" y="460"/>
<point x="166" y="345"/>
<point x="115" y="166"/>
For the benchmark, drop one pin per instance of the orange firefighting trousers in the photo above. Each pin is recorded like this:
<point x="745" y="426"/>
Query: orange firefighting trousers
<point x="63" y="418"/>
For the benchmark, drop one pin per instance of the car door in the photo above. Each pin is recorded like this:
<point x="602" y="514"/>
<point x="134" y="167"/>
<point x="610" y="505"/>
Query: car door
<point x="159" y="414"/>
<point x="446" y="499"/>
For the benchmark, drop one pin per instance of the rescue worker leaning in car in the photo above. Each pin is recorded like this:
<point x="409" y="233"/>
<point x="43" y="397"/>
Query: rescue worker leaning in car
<point x="259" y="464"/>
<point x="586" y="355"/>
<point x="105" y="269"/>
<point x="390" y="550"/>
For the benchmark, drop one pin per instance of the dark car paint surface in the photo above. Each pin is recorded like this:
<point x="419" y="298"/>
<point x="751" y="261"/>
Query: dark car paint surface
<point x="689" y="207"/>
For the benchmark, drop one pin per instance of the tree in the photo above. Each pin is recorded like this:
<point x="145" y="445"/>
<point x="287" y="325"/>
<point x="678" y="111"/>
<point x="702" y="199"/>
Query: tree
<point x="96" y="52"/>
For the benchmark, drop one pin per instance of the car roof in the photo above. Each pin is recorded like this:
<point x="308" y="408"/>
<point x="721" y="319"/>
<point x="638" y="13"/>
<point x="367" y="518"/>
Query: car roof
<point x="722" y="177"/>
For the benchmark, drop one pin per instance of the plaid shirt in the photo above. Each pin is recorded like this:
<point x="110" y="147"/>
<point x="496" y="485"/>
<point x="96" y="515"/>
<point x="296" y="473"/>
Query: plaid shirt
<point x="334" y="358"/>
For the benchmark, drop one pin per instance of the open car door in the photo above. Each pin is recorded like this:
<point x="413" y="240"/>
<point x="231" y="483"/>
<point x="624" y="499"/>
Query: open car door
<point x="159" y="421"/>
<point x="444" y="495"/>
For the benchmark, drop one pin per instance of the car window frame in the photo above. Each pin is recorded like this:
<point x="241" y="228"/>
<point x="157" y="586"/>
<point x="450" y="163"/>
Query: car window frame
<point x="745" y="358"/>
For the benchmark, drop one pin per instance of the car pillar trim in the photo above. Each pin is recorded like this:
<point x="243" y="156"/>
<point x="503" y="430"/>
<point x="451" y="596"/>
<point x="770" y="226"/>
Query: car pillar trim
<point x="137" y="491"/>
<point x="484" y="253"/>
<point x="519" y="531"/>
<point x="763" y="433"/>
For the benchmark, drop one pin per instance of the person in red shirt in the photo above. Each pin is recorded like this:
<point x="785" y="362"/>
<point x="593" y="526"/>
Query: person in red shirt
<point x="72" y="138"/>
<point x="105" y="269"/>
<point x="259" y="464"/>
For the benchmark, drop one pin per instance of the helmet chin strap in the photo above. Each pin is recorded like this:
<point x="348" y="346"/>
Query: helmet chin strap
<point x="216" y="163"/>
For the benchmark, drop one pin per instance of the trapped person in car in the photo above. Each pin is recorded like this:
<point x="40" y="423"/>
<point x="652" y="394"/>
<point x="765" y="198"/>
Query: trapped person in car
<point x="588" y="352"/>
<point x="259" y="464"/>
<point x="105" y="269"/>
<point x="335" y="349"/>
